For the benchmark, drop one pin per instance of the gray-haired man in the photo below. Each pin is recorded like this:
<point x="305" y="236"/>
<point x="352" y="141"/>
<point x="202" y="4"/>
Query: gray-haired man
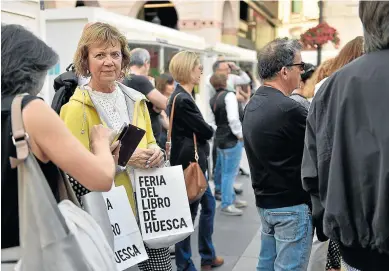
<point x="273" y="132"/>
<point x="139" y="80"/>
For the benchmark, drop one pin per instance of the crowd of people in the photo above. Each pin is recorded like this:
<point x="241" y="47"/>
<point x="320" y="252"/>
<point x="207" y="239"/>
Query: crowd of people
<point x="319" y="166"/>
<point x="315" y="139"/>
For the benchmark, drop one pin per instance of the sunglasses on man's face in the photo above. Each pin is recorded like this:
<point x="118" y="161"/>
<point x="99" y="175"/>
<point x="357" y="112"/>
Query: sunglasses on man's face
<point x="301" y="65"/>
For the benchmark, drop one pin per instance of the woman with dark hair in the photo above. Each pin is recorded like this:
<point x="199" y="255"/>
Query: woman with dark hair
<point x="298" y="94"/>
<point x="321" y="72"/>
<point x="25" y="60"/>
<point x="165" y="84"/>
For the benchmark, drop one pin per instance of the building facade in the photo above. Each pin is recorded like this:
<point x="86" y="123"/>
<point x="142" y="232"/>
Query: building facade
<point x="247" y="24"/>
<point x="344" y="16"/>
<point x="25" y="13"/>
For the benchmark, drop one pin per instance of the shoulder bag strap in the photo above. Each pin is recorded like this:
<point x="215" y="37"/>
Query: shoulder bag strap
<point x="195" y="147"/>
<point x="19" y="135"/>
<point x="20" y="140"/>
<point x="169" y="134"/>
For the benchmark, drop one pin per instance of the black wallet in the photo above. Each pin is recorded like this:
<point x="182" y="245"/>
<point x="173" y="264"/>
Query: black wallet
<point x="129" y="143"/>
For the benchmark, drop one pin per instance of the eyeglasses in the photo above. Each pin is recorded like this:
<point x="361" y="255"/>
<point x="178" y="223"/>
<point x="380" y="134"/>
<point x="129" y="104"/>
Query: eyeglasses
<point x="301" y="65"/>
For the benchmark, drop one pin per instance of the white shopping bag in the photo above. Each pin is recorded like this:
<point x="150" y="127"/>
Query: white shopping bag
<point x="163" y="206"/>
<point x="129" y="247"/>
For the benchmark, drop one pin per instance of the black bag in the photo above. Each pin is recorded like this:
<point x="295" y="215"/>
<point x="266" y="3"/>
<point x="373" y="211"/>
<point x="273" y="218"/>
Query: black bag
<point x="64" y="86"/>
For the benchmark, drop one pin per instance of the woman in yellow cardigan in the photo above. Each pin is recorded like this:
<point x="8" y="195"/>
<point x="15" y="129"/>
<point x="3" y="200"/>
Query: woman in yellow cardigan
<point x="102" y="55"/>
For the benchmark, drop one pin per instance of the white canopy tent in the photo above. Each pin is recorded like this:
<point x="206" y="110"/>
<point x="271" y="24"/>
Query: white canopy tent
<point x="64" y="28"/>
<point x="234" y="53"/>
<point x="133" y="29"/>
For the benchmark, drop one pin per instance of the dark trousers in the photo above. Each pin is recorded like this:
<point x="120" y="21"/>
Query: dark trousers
<point x="214" y="156"/>
<point x="206" y="248"/>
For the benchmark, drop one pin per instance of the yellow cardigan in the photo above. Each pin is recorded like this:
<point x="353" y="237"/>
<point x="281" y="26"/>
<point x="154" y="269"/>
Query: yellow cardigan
<point x="80" y="115"/>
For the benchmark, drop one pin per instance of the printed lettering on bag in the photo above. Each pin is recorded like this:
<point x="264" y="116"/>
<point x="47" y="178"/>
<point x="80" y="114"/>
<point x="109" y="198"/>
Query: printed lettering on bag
<point x="129" y="249"/>
<point x="115" y="226"/>
<point x="109" y="205"/>
<point x="151" y="202"/>
<point x="127" y="253"/>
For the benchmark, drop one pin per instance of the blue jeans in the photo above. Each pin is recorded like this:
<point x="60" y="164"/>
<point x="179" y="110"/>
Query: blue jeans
<point x="286" y="238"/>
<point x="227" y="168"/>
<point x="206" y="249"/>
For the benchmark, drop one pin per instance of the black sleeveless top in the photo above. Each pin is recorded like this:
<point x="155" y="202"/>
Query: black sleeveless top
<point x="224" y="138"/>
<point x="9" y="177"/>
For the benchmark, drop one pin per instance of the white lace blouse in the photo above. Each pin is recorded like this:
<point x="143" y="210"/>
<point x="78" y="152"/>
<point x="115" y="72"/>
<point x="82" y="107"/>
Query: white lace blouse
<point x="114" y="105"/>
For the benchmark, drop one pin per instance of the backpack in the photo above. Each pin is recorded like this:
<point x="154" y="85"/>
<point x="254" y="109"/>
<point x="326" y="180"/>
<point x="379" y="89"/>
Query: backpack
<point x="64" y="86"/>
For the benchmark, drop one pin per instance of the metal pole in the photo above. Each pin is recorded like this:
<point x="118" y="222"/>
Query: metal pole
<point x="320" y="3"/>
<point x="161" y="60"/>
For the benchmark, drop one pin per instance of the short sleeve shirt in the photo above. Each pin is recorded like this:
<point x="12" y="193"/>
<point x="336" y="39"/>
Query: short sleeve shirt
<point x="143" y="85"/>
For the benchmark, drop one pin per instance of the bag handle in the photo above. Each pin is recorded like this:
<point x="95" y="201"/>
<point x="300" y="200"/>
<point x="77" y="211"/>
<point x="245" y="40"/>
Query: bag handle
<point x="195" y="147"/>
<point x="169" y="135"/>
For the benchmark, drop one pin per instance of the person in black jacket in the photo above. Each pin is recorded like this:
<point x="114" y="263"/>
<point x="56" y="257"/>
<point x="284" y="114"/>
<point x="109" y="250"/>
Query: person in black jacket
<point x="346" y="157"/>
<point x="273" y="132"/>
<point x="186" y="69"/>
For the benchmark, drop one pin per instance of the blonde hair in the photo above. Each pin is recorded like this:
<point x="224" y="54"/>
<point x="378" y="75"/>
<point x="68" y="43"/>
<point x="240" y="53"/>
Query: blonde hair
<point x="182" y="65"/>
<point x="99" y="33"/>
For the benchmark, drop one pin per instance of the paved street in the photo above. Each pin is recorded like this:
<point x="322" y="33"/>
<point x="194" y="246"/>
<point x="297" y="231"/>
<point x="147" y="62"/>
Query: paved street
<point x="236" y="238"/>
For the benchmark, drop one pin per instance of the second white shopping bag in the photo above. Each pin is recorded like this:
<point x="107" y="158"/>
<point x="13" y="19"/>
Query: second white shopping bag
<point x="163" y="206"/>
<point x="129" y="247"/>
